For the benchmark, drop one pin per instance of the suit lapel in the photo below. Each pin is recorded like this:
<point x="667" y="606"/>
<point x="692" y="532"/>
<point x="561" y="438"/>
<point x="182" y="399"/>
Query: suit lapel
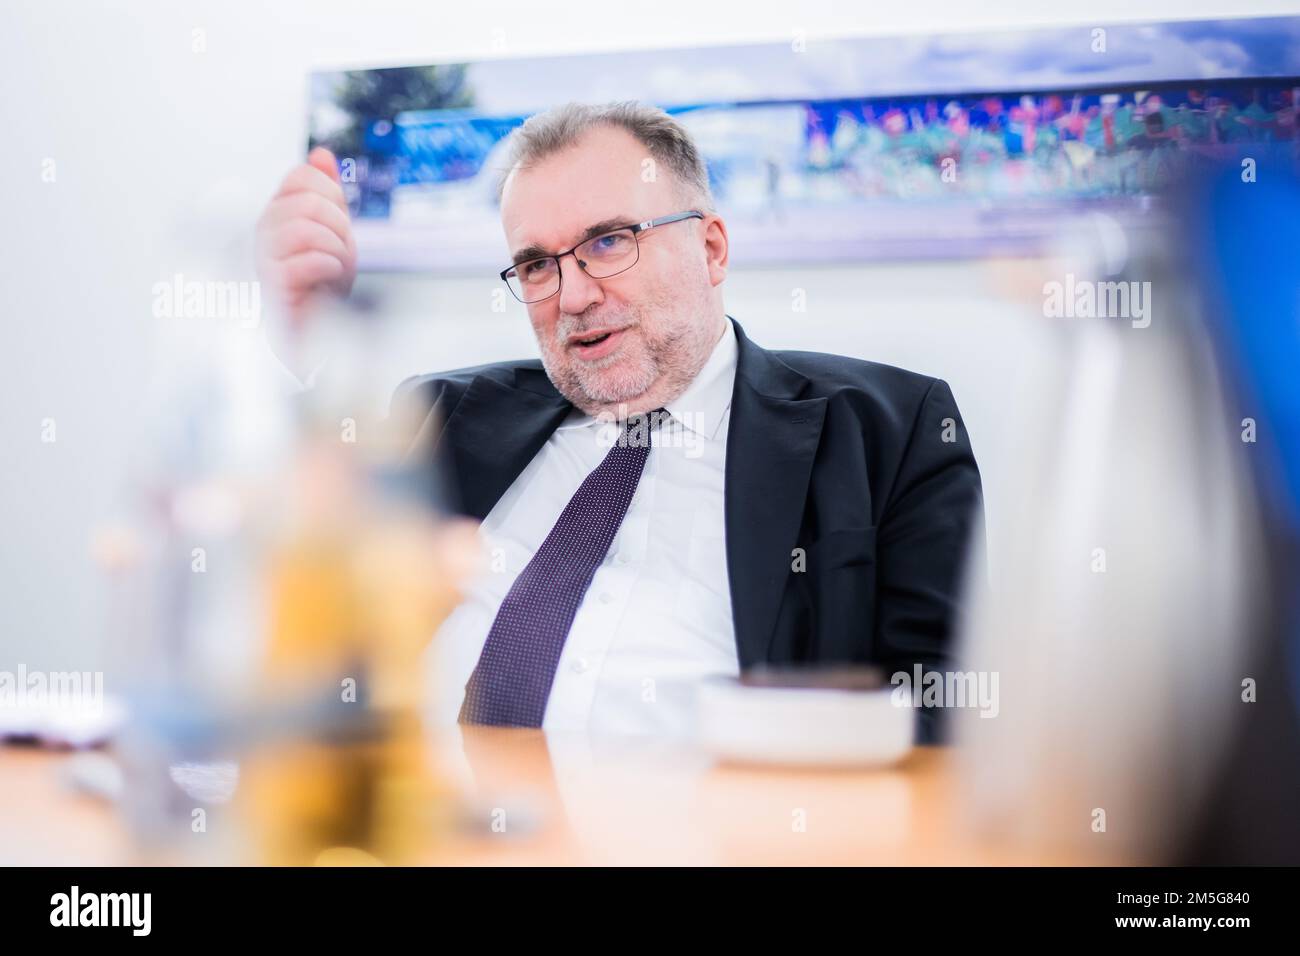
<point x="496" y="430"/>
<point x="771" y="443"/>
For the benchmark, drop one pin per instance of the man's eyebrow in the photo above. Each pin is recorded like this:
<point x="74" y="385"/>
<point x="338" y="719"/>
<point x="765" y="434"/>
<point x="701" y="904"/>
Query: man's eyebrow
<point x="605" y="225"/>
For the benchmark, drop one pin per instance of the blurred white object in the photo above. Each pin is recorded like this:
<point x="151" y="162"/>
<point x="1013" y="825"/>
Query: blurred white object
<point x="1126" y="602"/>
<point x="62" y="724"/>
<point x="95" y="774"/>
<point x="207" y="781"/>
<point x="802" y="726"/>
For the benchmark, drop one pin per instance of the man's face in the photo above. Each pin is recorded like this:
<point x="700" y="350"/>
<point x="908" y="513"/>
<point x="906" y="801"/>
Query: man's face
<point x="661" y="317"/>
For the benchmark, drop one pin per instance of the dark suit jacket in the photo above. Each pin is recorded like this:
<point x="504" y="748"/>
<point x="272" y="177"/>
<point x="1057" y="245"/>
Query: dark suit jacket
<point x="867" y="468"/>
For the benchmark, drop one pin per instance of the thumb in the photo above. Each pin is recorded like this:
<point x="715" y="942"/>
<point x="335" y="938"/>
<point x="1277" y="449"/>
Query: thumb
<point x="324" y="160"/>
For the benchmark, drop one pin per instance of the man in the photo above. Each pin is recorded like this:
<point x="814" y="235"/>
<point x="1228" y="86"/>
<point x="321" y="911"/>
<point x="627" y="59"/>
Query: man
<point x="665" y="500"/>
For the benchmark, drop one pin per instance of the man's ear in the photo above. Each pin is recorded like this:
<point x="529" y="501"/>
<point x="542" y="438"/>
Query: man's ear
<point x="716" y="248"/>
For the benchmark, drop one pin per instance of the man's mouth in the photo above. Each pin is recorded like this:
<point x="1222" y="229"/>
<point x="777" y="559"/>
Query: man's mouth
<point x="595" y="343"/>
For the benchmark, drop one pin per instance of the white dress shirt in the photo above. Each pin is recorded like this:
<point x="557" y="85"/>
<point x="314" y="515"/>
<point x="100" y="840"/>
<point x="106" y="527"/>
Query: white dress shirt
<point x="657" y="616"/>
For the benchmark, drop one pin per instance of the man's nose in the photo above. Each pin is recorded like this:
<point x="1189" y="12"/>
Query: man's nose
<point x="578" y="291"/>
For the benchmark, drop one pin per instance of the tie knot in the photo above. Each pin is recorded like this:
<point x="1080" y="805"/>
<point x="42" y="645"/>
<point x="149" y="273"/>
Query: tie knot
<point x="638" y="428"/>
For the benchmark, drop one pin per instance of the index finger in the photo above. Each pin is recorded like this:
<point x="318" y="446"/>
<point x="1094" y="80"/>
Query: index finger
<point x="307" y="178"/>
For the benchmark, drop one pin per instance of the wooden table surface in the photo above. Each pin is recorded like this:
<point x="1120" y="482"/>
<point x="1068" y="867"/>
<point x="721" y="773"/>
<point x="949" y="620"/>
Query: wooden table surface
<point x="569" y="799"/>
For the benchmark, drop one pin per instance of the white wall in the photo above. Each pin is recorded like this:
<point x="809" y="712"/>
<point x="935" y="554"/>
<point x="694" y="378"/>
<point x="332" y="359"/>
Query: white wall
<point x="163" y="157"/>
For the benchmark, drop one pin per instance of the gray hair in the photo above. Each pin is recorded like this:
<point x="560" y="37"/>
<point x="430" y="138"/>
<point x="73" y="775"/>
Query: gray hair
<point x="560" y="127"/>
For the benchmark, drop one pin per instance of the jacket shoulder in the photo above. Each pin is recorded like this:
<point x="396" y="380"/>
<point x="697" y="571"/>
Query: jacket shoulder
<point x="430" y="387"/>
<point x="885" y="401"/>
<point x="832" y="374"/>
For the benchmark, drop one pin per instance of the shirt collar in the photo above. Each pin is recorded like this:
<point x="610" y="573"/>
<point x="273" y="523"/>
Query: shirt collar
<point x="705" y="402"/>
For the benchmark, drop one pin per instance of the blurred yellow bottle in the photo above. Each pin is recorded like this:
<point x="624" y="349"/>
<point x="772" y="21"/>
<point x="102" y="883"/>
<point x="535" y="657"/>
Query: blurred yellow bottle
<point x="358" y="580"/>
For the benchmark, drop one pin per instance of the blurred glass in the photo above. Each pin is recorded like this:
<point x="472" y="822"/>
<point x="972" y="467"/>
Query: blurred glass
<point x="1131" y="595"/>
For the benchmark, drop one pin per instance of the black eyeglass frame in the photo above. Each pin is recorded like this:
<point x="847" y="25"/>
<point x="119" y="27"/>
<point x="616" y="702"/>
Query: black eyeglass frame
<point x="636" y="229"/>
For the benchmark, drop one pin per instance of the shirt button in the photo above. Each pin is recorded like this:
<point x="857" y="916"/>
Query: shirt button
<point x="579" y="665"/>
<point x="606" y="597"/>
<point x="621" y="558"/>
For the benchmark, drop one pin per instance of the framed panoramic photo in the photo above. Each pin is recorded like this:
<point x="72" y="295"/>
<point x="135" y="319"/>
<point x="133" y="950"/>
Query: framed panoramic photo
<point x="832" y="150"/>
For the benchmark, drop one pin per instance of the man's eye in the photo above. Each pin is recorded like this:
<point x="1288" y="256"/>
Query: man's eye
<point x="537" y="267"/>
<point x="613" y="242"/>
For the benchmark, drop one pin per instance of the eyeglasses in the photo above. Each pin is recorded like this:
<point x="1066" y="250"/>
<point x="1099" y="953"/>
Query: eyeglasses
<point x="600" y="257"/>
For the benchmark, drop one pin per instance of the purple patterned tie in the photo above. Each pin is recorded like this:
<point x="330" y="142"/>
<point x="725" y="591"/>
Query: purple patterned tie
<point x="512" y="682"/>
